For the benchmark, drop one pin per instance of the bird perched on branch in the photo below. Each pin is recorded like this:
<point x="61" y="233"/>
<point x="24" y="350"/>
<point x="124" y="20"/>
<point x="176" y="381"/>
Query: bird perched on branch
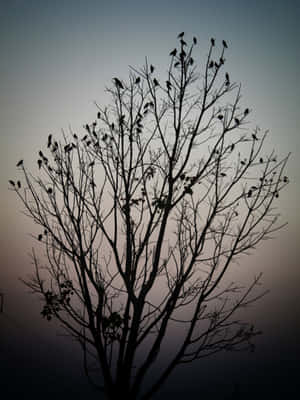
<point x="212" y="41"/>
<point x="173" y="53"/>
<point x="20" y="163"/>
<point x="224" y="44"/>
<point x="180" y="35"/>
<point x="118" y="83"/>
<point x="49" y="141"/>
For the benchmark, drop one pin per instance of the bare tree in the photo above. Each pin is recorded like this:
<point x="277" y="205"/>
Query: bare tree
<point x="142" y="217"/>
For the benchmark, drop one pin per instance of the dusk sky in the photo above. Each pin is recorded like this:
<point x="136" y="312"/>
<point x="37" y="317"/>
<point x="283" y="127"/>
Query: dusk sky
<point x="57" y="58"/>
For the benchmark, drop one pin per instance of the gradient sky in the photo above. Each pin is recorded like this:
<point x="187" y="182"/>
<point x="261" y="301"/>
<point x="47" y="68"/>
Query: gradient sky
<point x="57" y="57"/>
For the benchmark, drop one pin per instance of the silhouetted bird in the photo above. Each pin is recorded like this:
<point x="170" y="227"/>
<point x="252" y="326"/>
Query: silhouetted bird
<point x="168" y="83"/>
<point x="118" y="83"/>
<point x="261" y="160"/>
<point x="237" y="121"/>
<point x="138" y="80"/>
<point x="41" y="154"/>
<point x="20" y="163"/>
<point x="212" y="41"/>
<point x="220" y="117"/>
<point x="211" y="64"/>
<point x="194" y="40"/>
<point x="227" y="77"/>
<point x="40" y="162"/>
<point x="173" y="52"/>
<point x="180" y="35"/>
<point x="191" y="61"/>
<point x="224" y="44"/>
<point x="49" y="190"/>
<point x="182" y="54"/>
<point x="40" y="237"/>
<point x="155" y="81"/>
<point x="49" y="140"/>
<point x="285" y="179"/>
<point x="98" y="114"/>
<point x="246" y="112"/>
<point x="12" y="182"/>
<point x="19" y="184"/>
<point x="232" y="147"/>
<point x="254" y="136"/>
<point x="151" y="69"/>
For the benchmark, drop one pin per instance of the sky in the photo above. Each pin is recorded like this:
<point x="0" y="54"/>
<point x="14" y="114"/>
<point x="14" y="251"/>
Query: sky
<point x="57" y="58"/>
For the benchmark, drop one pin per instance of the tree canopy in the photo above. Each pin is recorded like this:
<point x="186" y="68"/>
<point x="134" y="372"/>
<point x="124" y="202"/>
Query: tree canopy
<point x="143" y="214"/>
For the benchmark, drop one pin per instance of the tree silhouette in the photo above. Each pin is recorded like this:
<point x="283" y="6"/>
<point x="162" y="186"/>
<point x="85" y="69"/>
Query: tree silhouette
<point x="142" y="218"/>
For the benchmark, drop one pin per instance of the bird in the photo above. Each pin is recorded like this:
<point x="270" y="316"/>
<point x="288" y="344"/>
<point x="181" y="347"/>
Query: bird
<point x="194" y="40"/>
<point x="173" y="53"/>
<point x="191" y="61"/>
<point x="151" y="69"/>
<point x="227" y="77"/>
<point x="138" y="80"/>
<point x="49" y="140"/>
<point x="20" y="163"/>
<point x="118" y="83"/>
<point x="224" y="44"/>
<point x="182" y="54"/>
<point x="40" y="237"/>
<point x="211" y="64"/>
<point x="19" y="184"/>
<point x="49" y="190"/>
<point x="169" y="85"/>
<point x="254" y="137"/>
<point x="40" y="162"/>
<point x="285" y="179"/>
<point x="237" y="121"/>
<point x="12" y="182"/>
<point x="261" y="160"/>
<point x="212" y="41"/>
<point x="220" y="117"/>
<point x="98" y="114"/>
<point x="246" y="112"/>
<point x="180" y="35"/>
<point x="41" y="154"/>
<point x="155" y="81"/>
